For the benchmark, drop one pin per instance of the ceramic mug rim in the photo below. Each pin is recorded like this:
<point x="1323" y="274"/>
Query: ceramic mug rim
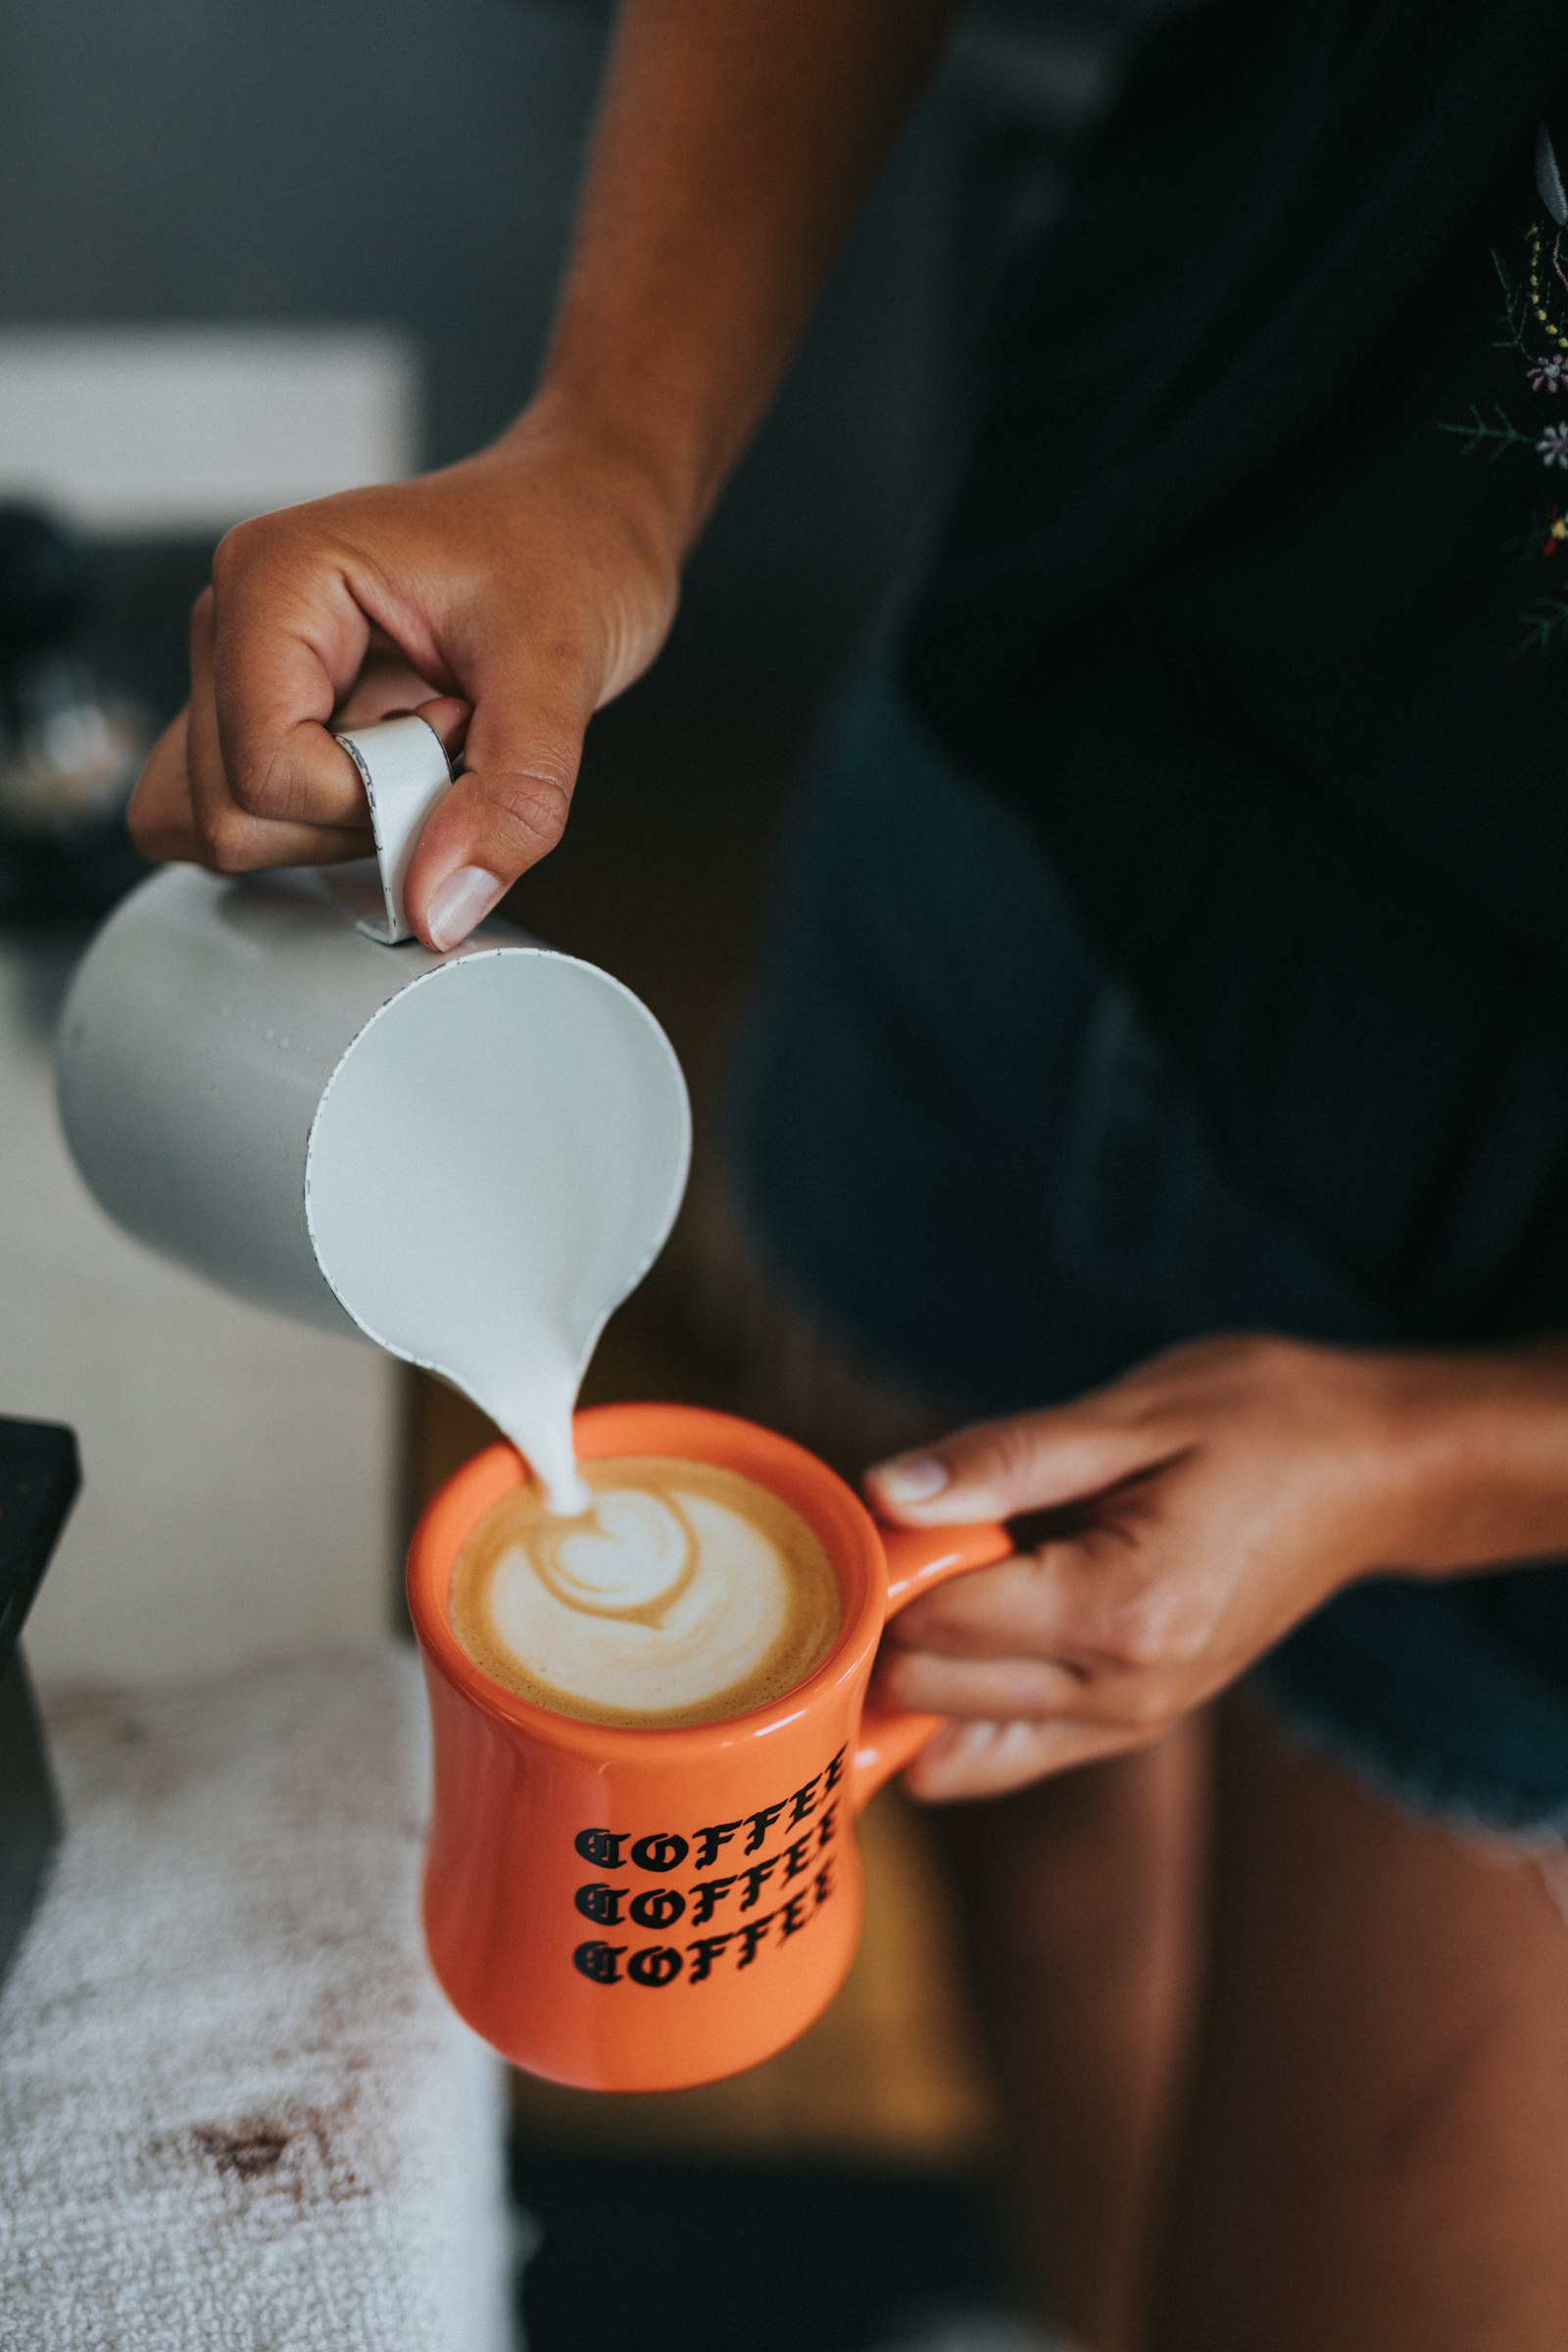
<point x="696" y="1433"/>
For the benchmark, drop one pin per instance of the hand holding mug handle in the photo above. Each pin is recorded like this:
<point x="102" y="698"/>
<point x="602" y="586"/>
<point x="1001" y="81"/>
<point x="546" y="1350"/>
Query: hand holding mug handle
<point x="918" y="1557"/>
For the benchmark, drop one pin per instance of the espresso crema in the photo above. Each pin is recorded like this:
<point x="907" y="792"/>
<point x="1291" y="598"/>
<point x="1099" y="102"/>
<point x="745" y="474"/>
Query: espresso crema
<point x="686" y="1592"/>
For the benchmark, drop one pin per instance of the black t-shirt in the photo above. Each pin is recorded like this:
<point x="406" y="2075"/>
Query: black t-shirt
<point x="1254" y="593"/>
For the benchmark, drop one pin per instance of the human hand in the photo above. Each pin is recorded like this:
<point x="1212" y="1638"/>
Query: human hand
<point x="1193" y="1513"/>
<point x="505" y="598"/>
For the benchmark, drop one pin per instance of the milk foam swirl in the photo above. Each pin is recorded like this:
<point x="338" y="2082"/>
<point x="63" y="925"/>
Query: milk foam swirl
<point x="630" y="1554"/>
<point x="684" y="1592"/>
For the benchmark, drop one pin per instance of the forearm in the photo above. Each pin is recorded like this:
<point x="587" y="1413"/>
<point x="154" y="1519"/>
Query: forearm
<point x="734" y="141"/>
<point x="1476" y="1454"/>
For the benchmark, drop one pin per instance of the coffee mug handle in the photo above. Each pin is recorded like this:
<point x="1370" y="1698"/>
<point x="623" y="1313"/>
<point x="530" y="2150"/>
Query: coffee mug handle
<point x="918" y="1557"/>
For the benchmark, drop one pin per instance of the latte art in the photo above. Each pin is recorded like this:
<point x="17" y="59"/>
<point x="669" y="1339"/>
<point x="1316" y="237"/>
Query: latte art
<point x="636" y="1555"/>
<point x="683" y="1593"/>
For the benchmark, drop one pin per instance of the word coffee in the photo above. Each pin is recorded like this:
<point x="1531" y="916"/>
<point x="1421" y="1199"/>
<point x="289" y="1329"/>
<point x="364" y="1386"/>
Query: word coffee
<point x="730" y="1894"/>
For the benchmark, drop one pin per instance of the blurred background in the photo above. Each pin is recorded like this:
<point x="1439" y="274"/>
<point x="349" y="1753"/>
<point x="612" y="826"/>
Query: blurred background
<point x="254" y="254"/>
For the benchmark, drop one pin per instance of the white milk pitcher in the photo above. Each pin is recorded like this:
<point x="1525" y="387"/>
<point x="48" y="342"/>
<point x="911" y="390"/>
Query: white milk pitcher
<point x="473" y="1157"/>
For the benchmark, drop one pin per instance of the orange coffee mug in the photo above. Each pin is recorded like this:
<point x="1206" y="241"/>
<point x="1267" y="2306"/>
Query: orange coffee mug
<point x="643" y="1910"/>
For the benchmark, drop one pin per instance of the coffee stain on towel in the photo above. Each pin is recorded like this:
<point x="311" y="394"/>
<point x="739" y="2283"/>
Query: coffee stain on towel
<point x="248" y="2153"/>
<point x="296" y="2155"/>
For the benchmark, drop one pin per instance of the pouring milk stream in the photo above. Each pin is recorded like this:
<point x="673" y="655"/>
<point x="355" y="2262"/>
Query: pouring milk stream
<point x="472" y="1157"/>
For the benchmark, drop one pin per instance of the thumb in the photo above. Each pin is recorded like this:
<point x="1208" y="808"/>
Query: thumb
<point x="506" y="812"/>
<point x="1026" y="1462"/>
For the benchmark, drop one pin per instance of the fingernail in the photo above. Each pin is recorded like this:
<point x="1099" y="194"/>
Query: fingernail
<point x="463" y="898"/>
<point x="913" y="1478"/>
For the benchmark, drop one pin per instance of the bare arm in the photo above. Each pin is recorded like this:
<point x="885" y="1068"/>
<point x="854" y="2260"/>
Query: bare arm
<point x="509" y="596"/>
<point x="735" y="141"/>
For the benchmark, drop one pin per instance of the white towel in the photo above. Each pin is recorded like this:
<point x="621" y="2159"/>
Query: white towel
<point x="235" y="2113"/>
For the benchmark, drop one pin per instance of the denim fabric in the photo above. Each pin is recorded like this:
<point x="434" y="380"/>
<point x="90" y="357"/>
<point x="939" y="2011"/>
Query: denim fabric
<point x="956" y="1143"/>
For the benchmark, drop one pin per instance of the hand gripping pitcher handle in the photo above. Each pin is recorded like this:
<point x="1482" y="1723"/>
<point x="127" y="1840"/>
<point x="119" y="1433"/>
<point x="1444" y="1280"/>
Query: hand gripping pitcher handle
<point x="405" y="773"/>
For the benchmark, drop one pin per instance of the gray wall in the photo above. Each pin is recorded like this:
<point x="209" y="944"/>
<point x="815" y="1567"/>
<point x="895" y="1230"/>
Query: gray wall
<point x="213" y="160"/>
<point x="414" y="162"/>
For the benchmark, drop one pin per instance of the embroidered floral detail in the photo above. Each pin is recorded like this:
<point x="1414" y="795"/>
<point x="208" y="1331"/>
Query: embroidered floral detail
<point x="1548" y="284"/>
<point x="1488" y="438"/>
<point x="1530" y="308"/>
<point x="1544" y="626"/>
<point x="1549" y="177"/>
<point x="1533" y="308"/>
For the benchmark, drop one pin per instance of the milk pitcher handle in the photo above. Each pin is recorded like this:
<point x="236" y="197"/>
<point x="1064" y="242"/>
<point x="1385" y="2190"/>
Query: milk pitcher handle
<point x="405" y="773"/>
<point x="918" y="1557"/>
